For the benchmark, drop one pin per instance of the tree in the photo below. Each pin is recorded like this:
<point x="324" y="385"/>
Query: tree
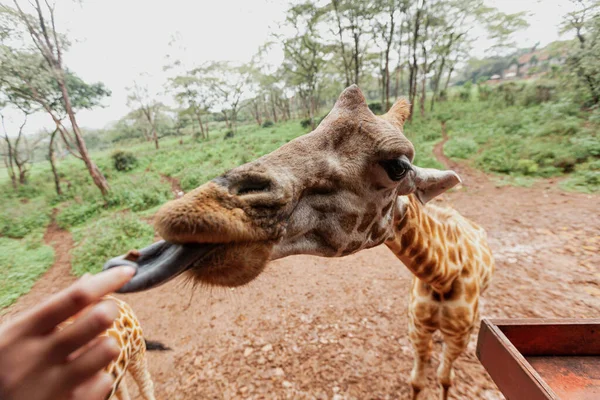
<point x="352" y="20"/>
<point x="501" y="27"/>
<point x="145" y="105"/>
<point x="583" y="57"/>
<point x="304" y="55"/>
<point x="194" y="95"/>
<point x="52" y="160"/>
<point x="385" y="29"/>
<point x="228" y="84"/>
<point x="47" y="42"/>
<point x="18" y="153"/>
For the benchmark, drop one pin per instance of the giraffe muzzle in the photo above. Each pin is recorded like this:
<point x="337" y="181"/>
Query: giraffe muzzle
<point x="159" y="263"/>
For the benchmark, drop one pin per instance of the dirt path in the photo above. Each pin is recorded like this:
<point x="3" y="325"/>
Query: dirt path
<point x="175" y="186"/>
<point x="315" y="328"/>
<point x="57" y="277"/>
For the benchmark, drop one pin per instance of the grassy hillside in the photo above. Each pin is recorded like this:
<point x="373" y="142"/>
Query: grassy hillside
<point x="552" y="139"/>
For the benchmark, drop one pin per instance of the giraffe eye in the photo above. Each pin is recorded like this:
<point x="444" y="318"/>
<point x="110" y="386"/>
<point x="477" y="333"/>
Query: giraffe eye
<point x="396" y="168"/>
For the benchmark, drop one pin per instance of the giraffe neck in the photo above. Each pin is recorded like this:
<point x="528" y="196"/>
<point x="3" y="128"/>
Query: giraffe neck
<point x="426" y="242"/>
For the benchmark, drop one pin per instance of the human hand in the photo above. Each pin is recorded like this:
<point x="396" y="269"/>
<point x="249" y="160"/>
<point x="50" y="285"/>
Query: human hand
<point x="40" y="362"/>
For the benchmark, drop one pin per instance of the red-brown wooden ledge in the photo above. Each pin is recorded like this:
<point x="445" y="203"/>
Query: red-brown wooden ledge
<point x="542" y="359"/>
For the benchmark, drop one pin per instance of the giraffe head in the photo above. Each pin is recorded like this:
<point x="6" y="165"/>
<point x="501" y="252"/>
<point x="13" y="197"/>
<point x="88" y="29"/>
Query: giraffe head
<point x="328" y="193"/>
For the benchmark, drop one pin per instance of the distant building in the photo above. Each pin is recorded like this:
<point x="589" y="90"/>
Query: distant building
<point x="533" y="64"/>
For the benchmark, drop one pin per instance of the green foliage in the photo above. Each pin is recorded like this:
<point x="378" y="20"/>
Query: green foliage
<point x="20" y="217"/>
<point x="306" y="123"/>
<point x="267" y="124"/>
<point x="539" y="92"/>
<point x="377" y="108"/>
<point x="460" y="147"/>
<point x="74" y="213"/>
<point x="539" y="140"/>
<point x="527" y="167"/>
<point x="228" y="135"/>
<point x="465" y="91"/>
<point x="139" y="192"/>
<point x="124" y="160"/>
<point x="108" y="237"/>
<point x="22" y="262"/>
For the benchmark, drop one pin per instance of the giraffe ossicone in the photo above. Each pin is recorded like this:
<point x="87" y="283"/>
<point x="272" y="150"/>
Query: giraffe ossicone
<point x="330" y="193"/>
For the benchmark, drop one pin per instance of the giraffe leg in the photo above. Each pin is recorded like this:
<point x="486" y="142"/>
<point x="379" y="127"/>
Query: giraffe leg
<point x="138" y="368"/>
<point x="420" y="338"/>
<point x="454" y="345"/>
<point x="122" y="393"/>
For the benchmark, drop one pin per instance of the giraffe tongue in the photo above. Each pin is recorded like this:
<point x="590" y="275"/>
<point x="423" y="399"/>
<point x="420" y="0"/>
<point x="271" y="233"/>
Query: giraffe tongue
<point x="158" y="263"/>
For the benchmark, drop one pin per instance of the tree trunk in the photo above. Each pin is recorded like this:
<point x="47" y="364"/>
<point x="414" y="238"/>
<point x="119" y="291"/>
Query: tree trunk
<point x="448" y="79"/>
<point x="11" y="171"/>
<point x="342" y="46"/>
<point x="356" y="58"/>
<point x="52" y="160"/>
<point x="97" y="177"/>
<point x="22" y="174"/>
<point x="387" y="79"/>
<point x="199" y="119"/>
<point x="227" y="123"/>
<point x="273" y="108"/>
<point x="436" y="83"/>
<point x="423" y="94"/>
<point x="414" y="68"/>
<point x="256" y="113"/>
<point x="8" y="161"/>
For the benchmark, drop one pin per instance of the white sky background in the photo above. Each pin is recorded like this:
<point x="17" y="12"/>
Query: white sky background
<point x="119" y="41"/>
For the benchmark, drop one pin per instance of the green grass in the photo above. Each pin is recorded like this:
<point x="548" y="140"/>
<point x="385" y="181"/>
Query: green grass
<point x="21" y="264"/>
<point x="21" y="216"/>
<point x="108" y="237"/>
<point x="539" y="141"/>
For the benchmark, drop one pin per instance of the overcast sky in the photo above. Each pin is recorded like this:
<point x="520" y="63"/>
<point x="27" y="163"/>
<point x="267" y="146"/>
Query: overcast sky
<point x="119" y="41"/>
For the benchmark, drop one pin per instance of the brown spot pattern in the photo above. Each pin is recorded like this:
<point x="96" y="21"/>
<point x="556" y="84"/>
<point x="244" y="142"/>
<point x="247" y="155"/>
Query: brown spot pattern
<point x="348" y="222"/>
<point x="368" y="217"/>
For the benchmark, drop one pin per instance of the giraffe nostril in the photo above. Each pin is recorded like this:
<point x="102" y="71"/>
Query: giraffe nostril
<point x="251" y="185"/>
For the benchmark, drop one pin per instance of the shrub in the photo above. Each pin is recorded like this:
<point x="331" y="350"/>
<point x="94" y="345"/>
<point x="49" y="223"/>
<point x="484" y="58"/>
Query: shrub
<point x="565" y="126"/>
<point x="465" y="91"/>
<point x="460" y="147"/>
<point x="124" y="160"/>
<point x="585" y="147"/>
<point x="377" y="108"/>
<point x="566" y="164"/>
<point x="306" y="123"/>
<point x="267" y="124"/>
<point x="538" y="93"/>
<point x="77" y="213"/>
<point x="527" y="167"/>
<point x="106" y="238"/>
<point x="583" y="181"/>
<point x="507" y="93"/>
<point x="484" y="91"/>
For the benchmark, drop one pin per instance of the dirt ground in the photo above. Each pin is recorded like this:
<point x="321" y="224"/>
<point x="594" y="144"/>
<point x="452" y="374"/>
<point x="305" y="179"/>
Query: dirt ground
<point x="316" y="328"/>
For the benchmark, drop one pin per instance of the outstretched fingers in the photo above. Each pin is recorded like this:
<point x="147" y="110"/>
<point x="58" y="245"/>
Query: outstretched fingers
<point x="94" y="359"/>
<point x="45" y="317"/>
<point x="85" y="328"/>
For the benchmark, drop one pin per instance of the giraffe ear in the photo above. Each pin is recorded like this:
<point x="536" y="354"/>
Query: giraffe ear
<point x="431" y="182"/>
<point x="399" y="113"/>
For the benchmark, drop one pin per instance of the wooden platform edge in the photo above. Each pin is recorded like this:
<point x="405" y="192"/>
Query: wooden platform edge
<point x="511" y="372"/>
